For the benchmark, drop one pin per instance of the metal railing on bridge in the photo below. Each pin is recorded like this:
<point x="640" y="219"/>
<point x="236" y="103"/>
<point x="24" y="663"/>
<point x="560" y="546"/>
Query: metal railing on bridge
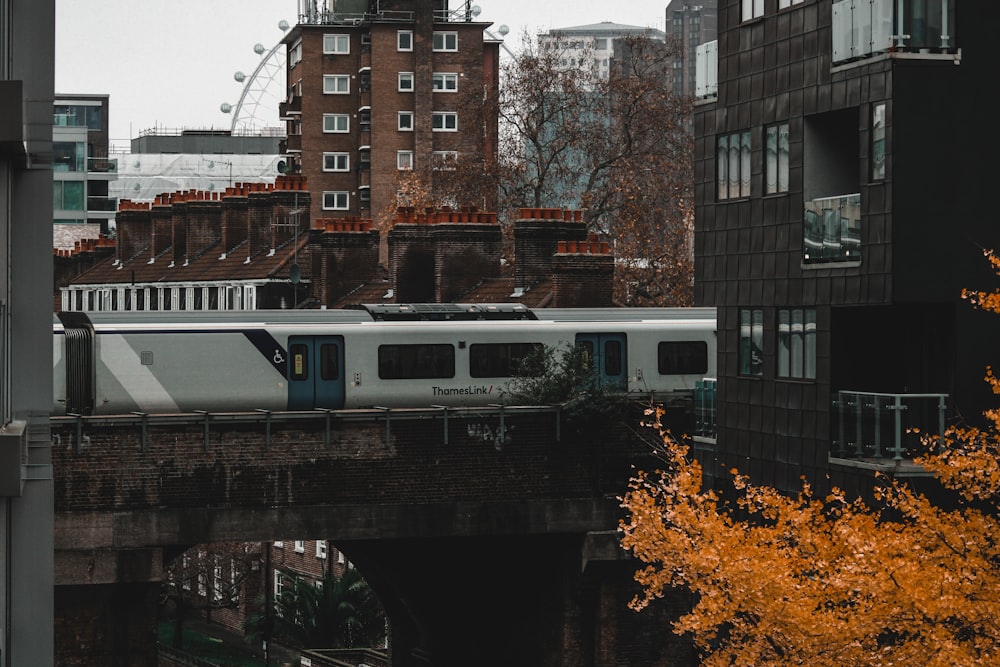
<point x="497" y="428"/>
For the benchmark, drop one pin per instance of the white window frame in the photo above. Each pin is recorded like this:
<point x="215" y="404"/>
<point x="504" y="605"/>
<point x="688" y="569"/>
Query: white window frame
<point x="341" y="84"/>
<point x="300" y="546"/>
<point x="341" y="200"/>
<point x="279" y="544"/>
<point x="341" y="161"/>
<point x="751" y="9"/>
<point x="335" y="119"/>
<point x="444" y="160"/>
<point x="401" y="36"/>
<point x="404" y="160"/>
<point x="364" y="194"/>
<point x="404" y="82"/>
<point x="217" y="580"/>
<point x="336" y="43"/>
<point x="295" y="54"/>
<point x="441" y="38"/>
<point x="407" y="125"/>
<point x="440" y="81"/>
<point x="321" y="549"/>
<point x="444" y="117"/>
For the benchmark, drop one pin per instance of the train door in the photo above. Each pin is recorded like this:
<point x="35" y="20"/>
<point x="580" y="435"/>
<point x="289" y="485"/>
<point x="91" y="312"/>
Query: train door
<point x="608" y="354"/>
<point x="315" y="372"/>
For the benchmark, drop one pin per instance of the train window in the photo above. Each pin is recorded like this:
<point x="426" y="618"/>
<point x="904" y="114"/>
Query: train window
<point x="300" y="362"/>
<point x="409" y="362"/>
<point x="686" y="357"/>
<point x="329" y="362"/>
<point x="612" y="358"/>
<point x="498" y="360"/>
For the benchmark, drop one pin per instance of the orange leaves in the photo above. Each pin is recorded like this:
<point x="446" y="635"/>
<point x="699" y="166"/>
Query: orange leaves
<point x="782" y="580"/>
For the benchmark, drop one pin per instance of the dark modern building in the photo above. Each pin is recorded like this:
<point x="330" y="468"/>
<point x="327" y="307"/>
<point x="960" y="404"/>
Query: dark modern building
<point x="27" y="29"/>
<point x="375" y="89"/>
<point x="843" y="185"/>
<point x="691" y="23"/>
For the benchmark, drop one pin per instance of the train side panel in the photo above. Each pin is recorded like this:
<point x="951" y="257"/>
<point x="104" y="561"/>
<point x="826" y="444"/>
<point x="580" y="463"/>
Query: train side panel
<point x="167" y="371"/>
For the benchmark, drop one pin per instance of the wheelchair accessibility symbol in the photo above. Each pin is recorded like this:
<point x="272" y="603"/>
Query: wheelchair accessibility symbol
<point x="278" y="358"/>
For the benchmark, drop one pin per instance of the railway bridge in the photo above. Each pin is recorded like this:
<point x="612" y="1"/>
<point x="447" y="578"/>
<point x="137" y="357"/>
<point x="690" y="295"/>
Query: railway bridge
<point x="488" y="533"/>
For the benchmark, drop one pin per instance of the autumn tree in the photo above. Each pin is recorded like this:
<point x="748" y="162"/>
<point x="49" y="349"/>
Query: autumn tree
<point x="337" y="612"/>
<point x="207" y="579"/>
<point x="831" y="580"/>
<point x="618" y="146"/>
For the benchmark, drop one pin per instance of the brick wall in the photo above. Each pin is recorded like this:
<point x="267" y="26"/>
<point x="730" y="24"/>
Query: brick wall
<point x="344" y="255"/>
<point x="537" y="233"/>
<point x="583" y="275"/>
<point x="134" y="229"/>
<point x="204" y="227"/>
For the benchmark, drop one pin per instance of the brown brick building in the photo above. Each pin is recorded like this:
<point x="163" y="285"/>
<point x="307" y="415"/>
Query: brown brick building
<point x="374" y="88"/>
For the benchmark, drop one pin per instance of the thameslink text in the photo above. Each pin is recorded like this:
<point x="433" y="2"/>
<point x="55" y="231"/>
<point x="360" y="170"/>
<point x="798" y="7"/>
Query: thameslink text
<point x="471" y="390"/>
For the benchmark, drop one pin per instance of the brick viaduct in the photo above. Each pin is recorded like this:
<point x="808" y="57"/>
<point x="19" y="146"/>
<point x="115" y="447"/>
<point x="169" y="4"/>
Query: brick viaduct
<point x="488" y="534"/>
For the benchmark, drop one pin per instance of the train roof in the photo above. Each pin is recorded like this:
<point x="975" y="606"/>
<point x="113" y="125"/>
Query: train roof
<point x="385" y="313"/>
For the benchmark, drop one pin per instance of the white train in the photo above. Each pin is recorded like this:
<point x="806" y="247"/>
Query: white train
<point x="381" y="355"/>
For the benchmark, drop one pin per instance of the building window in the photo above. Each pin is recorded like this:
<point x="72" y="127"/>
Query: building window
<point x="797" y="343"/>
<point x="336" y="84"/>
<point x="751" y="9"/>
<point x="406" y="82"/>
<point x="321" y="549"/>
<point x="404" y="121"/>
<point x="776" y="159"/>
<point x="300" y="546"/>
<point x="336" y="161"/>
<point x="404" y="160"/>
<point x="444" y="160"/>
<point x="364" y="194"/>
<point x="878" y="142"/>
<point x="404" y="40"/>
<point x="335" y="201"/>
<point x="444" y="121"/>
<point x="785" y="4"/>
<point x="336" y="122"/>
<point x="751" y="342"/>
<point x="365" y="119"/>
<point x="217" y="584"/>
<point x="445" y="41"/>
<point x="733" y="165"/>
<point x="444" y="82"/>
<point x="295" y="54"/>
<point x="337" y="44"/>
<point x="68" y="196"/>
<point x="279" y="587"/>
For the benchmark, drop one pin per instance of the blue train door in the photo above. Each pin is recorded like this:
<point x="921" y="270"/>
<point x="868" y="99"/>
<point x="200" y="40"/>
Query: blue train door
<point x="315" y="372"/>
<point x="608" y="354"/>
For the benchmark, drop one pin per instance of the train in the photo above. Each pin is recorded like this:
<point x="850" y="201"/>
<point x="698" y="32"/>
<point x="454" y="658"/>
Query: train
<point x="375" y="355"/>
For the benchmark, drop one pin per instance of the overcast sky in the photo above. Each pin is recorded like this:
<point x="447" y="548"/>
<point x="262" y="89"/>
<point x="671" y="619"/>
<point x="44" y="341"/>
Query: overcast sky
<point x="170" y="63"/>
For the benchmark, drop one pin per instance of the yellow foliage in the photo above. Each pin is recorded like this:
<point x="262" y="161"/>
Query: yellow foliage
<point x="801" y="580"/>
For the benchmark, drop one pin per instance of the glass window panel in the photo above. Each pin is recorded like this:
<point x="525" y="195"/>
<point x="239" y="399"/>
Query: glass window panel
<point x="784" y="343"/>
<point x="329" y="362"/>
<point x="797" y="352"/>
<point x="734" y="166"/>
<point x="722" y="163"/>
<point x="745" y="164"/>
<point x="783" y="157"/>
<point x="771" y="160"/>
<point x="612" y="358"/>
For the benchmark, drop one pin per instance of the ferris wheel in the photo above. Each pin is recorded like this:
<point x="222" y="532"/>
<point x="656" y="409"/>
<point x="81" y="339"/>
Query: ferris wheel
<point x="263" y="90"/>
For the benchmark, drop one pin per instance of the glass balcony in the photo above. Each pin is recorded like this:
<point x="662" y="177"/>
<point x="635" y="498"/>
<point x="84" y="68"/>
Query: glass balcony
<point x="102" y="204"/>
<point x="865" y="27"/>
<point x="869" y="425"/>
<point x="832" y="229"/>
<point x="102" y="165"/>
<point x="704" y="408"/>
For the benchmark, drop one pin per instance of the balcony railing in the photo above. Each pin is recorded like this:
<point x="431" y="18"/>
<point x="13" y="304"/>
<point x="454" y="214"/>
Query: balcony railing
<point x="704" y="408"/>
<point x="865" y="27"/>
<point x="832" y="229"/>
<point x="870" y="425"/>
<point x="104" y="204"/>
<point x="102" y="165"/>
